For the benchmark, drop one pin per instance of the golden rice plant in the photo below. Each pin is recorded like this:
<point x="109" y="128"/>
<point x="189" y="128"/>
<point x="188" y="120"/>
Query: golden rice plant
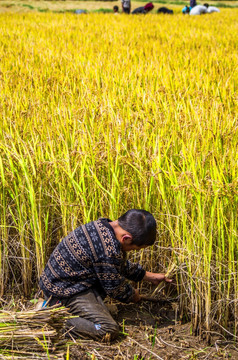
<point x="100" y="114"/>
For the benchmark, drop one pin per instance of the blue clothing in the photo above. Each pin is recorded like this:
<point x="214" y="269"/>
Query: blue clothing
<point x="90" y="257"/>
<point x="186" y="10"/>
<point x="79" y="12"/>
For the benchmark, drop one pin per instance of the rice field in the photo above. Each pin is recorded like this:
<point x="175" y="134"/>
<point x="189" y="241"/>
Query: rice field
<point x="102" y="113"/>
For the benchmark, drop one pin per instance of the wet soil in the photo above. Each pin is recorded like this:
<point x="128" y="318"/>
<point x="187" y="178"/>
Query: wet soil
<point x="151" y="331"/>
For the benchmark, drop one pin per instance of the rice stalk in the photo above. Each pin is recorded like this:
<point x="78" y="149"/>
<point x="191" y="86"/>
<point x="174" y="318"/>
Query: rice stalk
<point x="170" y="273"/>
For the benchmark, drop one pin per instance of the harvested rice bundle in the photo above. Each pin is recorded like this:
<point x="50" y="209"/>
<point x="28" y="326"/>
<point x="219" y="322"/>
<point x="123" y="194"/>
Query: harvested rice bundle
<point x="26" y="332"/>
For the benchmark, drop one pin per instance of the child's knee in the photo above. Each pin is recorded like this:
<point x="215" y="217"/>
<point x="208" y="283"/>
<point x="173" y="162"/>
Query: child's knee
<point x="115" y="331"/>
<point x="109" y="331"/>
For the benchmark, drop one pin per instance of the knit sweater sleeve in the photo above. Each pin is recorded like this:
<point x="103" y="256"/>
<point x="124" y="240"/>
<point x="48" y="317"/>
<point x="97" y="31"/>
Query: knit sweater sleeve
<point x="133" y="271"/>
<point x="113" y="281"/>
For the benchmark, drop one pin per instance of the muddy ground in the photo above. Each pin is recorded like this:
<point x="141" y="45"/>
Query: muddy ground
<point x="154" y="333"/>
<point x="149" y="331"/>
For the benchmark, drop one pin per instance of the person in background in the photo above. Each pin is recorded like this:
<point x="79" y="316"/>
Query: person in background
<point x="116" y="10"/>
<point x="198" y="10"/>
<point x="90" y="263"/>
<point x="164" y="10"/>
<point x="211" y="9"/>
<point x="143" y="9"/>
<point x="186" y="10"/>
<point x="126" y="6"/>
<point x="80" y="11"/>
<point x="148" y="7"/>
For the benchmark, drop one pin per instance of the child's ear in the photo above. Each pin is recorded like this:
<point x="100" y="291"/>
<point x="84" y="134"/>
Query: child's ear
<point x="126" y="239"/>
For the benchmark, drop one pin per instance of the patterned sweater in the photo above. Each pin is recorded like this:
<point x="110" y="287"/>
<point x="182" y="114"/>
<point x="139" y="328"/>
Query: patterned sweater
<point x="90" y="257"/>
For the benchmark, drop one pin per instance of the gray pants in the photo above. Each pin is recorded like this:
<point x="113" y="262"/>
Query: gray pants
<point x="93" y="318"/>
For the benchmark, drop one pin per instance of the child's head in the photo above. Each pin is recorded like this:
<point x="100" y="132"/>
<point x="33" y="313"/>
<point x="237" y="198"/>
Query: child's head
<point x="115" y="9"/>
<point x="141" y="225"/>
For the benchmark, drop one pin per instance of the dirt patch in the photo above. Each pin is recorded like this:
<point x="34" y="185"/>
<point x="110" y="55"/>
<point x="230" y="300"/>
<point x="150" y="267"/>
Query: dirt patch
<point x="151" y="331"/>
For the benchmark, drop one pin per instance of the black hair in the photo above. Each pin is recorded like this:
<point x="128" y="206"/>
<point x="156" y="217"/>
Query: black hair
<point x="141" y="225"/>
<point x="207" y="5"/>
<point x="115" y="8"/>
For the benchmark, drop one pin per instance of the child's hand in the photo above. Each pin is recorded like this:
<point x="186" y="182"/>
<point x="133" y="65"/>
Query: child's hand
<point x="136" y="298"/>
<point x="156" y="278"/>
